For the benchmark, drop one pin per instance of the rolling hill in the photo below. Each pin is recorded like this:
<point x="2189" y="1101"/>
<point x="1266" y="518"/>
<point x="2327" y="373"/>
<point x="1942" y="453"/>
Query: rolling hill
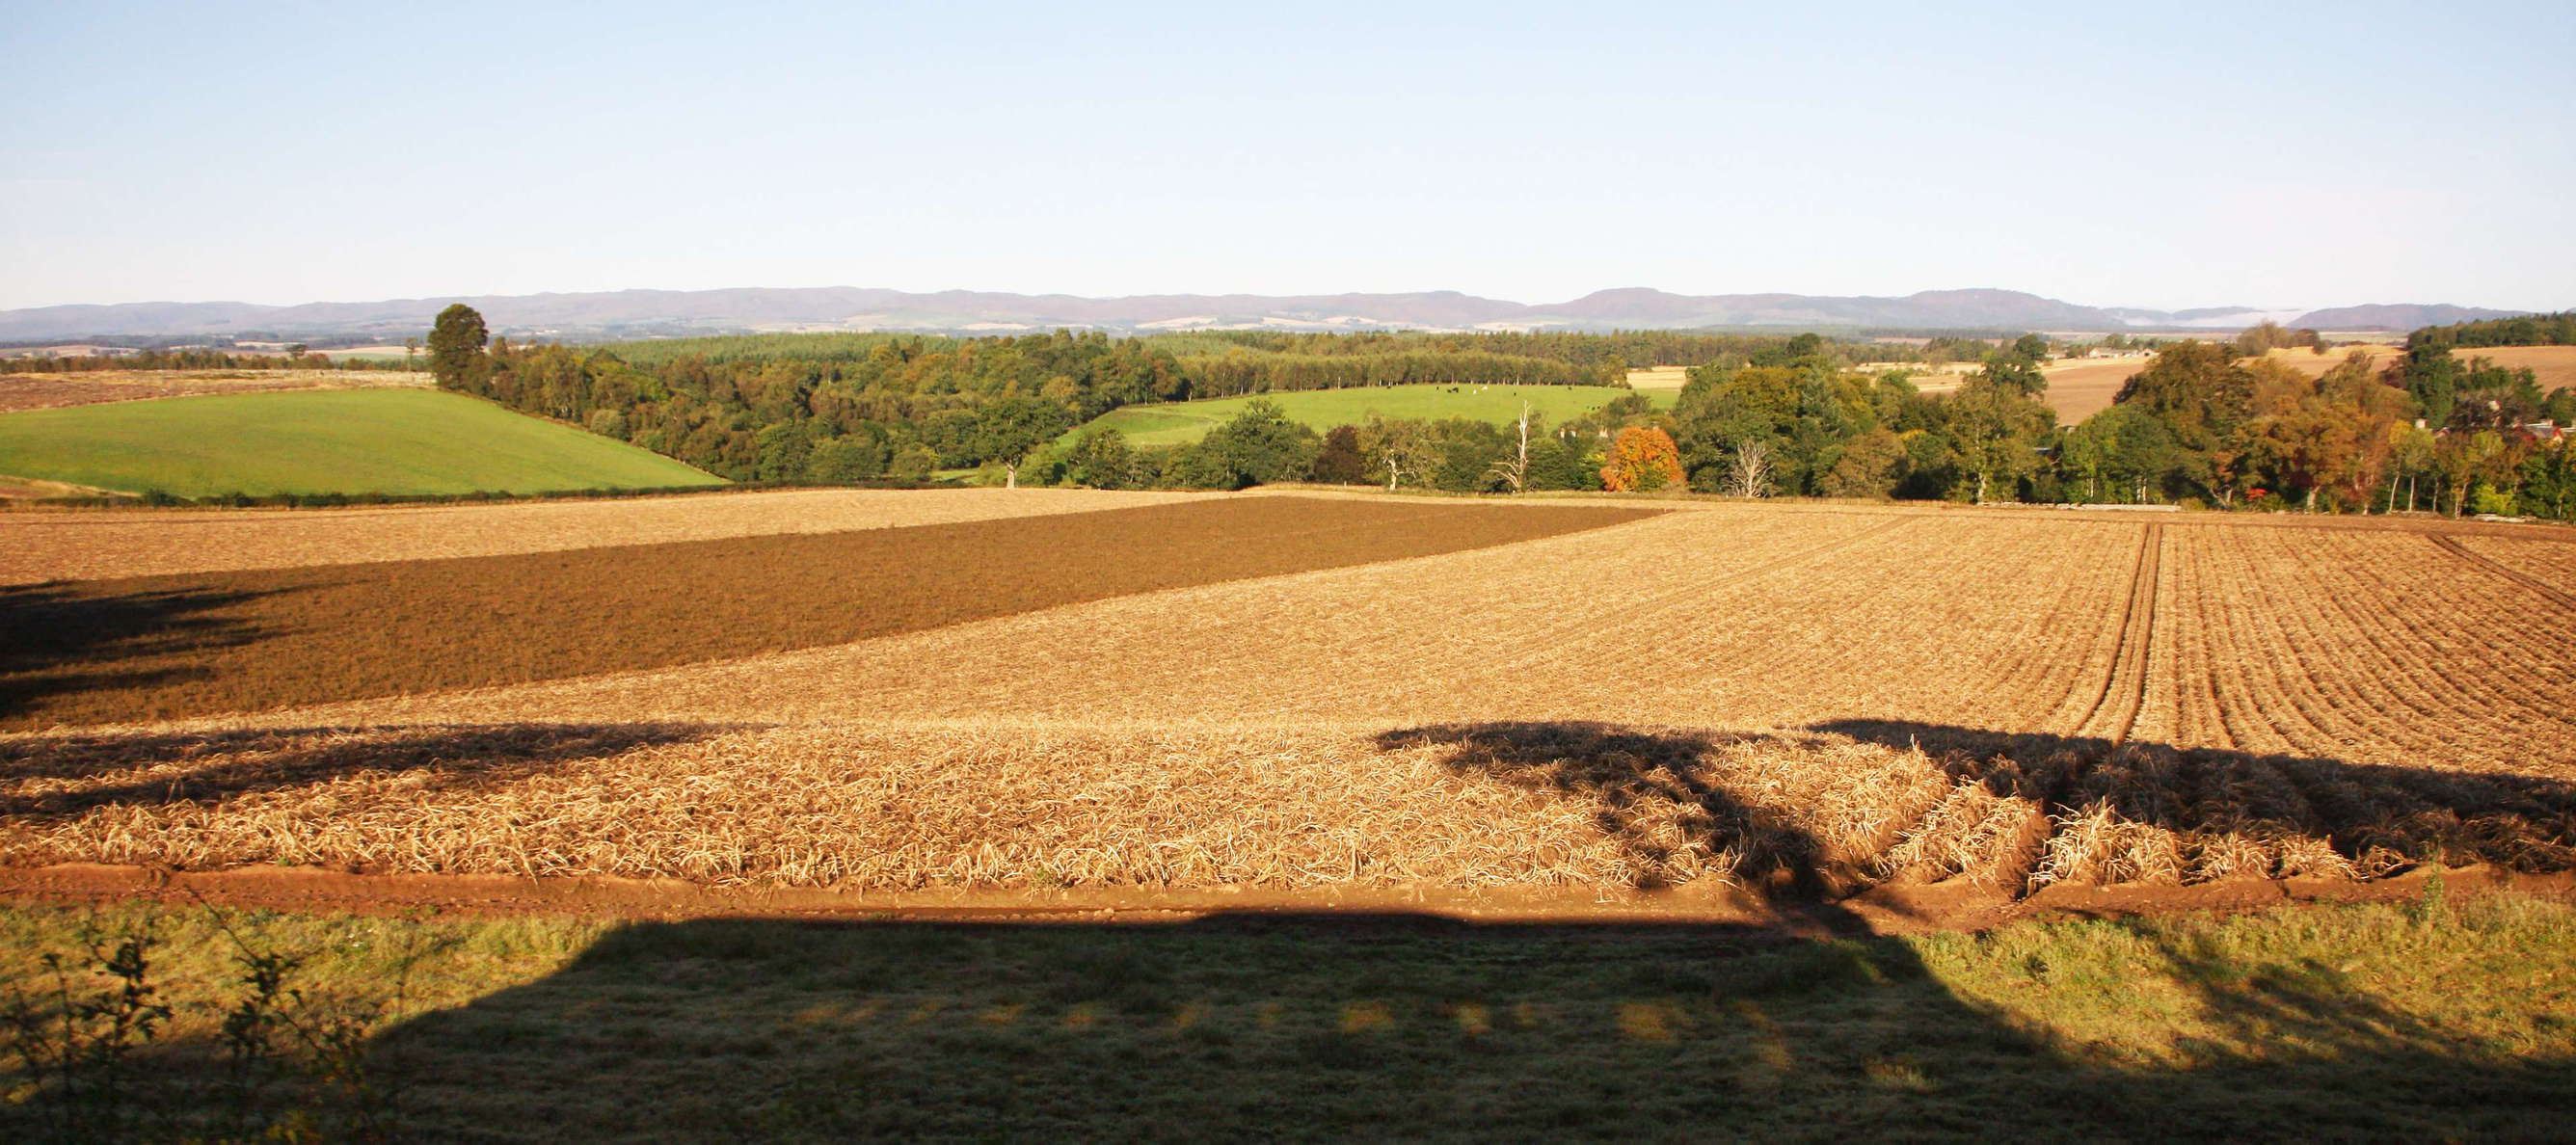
<point x="388" y="441"/>
<point x="626" y="313"/>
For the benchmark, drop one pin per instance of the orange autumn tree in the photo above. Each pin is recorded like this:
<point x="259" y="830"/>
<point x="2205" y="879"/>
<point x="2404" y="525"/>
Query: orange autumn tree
<point x="1642" y="458"/>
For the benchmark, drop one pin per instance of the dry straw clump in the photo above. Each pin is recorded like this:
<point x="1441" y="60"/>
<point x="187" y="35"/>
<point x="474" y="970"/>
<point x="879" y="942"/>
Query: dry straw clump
<point x="969" y="806"/>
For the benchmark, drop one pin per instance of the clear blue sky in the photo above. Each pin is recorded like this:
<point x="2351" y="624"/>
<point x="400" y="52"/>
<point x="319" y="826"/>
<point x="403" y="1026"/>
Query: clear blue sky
<point x="2164" y="155"/>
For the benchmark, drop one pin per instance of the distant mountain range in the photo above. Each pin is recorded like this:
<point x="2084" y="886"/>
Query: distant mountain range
<point x="631" y="313"/>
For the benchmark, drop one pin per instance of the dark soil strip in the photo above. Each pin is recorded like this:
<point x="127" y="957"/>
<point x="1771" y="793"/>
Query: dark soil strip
<point x="172" y="646"/>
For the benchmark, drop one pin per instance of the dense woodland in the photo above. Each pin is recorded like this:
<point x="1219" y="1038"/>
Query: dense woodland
<point x="2203" y="423"/>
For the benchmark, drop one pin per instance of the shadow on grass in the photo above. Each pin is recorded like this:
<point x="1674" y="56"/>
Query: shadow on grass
<point x="1377" y="1025"/>
<point x="223" y="765"/>
<point x="1393" y="1026"/>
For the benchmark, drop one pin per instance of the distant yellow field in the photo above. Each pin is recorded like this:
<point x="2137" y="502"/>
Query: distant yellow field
<point x="2076" y="390"/>
<point x="2313" y="364"/>
<point x="2555" y="365"/>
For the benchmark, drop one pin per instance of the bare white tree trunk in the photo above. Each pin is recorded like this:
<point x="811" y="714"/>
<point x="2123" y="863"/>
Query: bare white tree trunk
<point x="1752" y="470"/>
<point x="1515" y="469"/>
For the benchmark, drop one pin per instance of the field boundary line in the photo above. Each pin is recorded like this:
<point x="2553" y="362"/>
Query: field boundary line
<point x="2452" y="545"/>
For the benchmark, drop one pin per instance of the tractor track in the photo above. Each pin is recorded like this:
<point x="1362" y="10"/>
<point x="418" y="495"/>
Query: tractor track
<point x="2452" y="545"/>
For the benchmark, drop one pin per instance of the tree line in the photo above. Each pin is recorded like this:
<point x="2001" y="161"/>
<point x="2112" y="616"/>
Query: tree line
<point x="2201" y="424"/>
<point x="2520" y="330"/>
<point x="2206" y="423"/>
<point x="295" y="359"/>
<point x="857" y="407"/>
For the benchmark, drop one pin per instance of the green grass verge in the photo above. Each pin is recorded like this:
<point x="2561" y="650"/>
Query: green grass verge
<point x="2422" y="1021"/>
<point x="323" y="441"/>
<point x="1181" y="423"/>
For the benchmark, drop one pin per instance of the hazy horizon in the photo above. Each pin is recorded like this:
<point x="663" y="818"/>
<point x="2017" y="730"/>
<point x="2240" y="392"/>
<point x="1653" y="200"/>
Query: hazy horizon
<point x="2217" y="303"/>
<point x="2291" y="157"/>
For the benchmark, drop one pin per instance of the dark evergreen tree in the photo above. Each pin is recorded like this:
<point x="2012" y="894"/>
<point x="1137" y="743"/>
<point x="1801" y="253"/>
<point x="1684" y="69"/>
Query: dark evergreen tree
<point x="456" y="342"/>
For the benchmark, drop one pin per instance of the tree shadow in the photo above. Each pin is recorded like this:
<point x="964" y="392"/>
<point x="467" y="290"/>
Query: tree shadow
<point x="1413" y="1025"/>
<point x="2090" y="810"/>
<point x="41" y="776"/>
<point x="1652" y="794"/>
<point x="2377" y="819"/>
<point x="1401" y="1026"/>
<point x="58" y="640"/>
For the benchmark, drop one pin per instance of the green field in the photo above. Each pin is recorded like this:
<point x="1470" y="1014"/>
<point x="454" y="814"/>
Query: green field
<point x="1180" y="423"/>
<point x="392" y="441"/>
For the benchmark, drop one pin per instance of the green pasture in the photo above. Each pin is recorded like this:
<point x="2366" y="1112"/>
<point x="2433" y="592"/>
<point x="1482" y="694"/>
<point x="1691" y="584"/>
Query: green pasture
<point x="392" y="441"/>
<point x="1179" y="423"/>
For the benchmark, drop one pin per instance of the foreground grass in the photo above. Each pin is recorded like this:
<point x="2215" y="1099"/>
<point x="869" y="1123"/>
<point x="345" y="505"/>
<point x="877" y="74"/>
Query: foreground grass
<point x="1180" y="423"/>
<point x="323" y="441"/>
<point x="2417" y="1021"/>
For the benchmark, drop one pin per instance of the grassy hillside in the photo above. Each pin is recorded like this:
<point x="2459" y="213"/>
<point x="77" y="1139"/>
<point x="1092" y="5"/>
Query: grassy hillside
<point x="323" y="441"/>
<point x="1180" y="423"/>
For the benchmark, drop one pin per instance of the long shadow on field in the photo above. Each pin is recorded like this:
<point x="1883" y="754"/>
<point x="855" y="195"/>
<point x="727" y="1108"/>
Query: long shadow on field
<point x="221" y="765"/>
<point x="56" y="640"/>
<point x="2236" y="812"/>
<point x="2054" y="809"/>
<point x="1650" y="791"/>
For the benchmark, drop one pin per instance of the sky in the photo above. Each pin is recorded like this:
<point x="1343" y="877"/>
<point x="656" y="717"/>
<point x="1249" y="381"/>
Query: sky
<point x="2160" y="155"/>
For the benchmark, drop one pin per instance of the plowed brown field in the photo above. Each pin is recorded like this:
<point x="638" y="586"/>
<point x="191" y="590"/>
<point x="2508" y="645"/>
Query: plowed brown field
<point x="43" y="546"/>
<point x="97" y="651"/>
<point x="1732" y="696"/>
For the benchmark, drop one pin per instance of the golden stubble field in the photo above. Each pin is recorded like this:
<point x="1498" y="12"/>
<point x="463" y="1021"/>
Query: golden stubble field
<point x="2554" y="366"/>
<point x="1724" y="697"/>
<point x="2076" y="390"/>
